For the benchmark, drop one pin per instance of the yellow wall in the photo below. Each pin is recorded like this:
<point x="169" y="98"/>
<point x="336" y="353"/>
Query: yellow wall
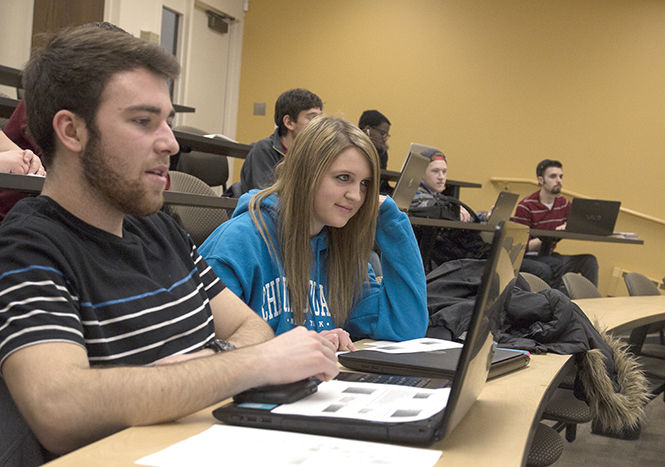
<point x="496" y="85"/>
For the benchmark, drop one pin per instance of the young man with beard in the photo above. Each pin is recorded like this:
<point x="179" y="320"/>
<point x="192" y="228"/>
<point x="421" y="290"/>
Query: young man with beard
<point x="546" y="209"/>
<point x="108" y="315"/>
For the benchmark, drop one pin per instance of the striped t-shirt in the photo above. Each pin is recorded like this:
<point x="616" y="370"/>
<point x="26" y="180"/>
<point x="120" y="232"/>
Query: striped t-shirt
<point x="530" y="211"/>
<point x="130" y="300"/>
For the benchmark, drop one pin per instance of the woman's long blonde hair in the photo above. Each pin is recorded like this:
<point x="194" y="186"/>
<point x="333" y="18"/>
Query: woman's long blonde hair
<point x="298" y="178"/>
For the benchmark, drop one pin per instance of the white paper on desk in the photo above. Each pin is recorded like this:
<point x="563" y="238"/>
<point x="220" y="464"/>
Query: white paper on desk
<point x="240" y="446"/>
<point x="628" y="235"/>
<point x="369" y="401"/>
<point x="425" y="344"/>
<point x="220" y="136"/>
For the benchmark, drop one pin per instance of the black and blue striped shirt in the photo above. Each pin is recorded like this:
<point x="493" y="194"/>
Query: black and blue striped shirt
<point x="130" y="300"/>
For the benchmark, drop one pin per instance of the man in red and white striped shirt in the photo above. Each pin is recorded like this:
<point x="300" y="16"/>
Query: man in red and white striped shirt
<point x="546" y="209"/>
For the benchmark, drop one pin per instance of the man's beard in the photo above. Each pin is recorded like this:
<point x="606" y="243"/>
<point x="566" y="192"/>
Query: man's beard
<point x="556" y="190"/>
<point x="128" y="196"/>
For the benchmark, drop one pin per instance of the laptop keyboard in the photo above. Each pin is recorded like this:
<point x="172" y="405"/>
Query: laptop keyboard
<point x="413" y="381"/>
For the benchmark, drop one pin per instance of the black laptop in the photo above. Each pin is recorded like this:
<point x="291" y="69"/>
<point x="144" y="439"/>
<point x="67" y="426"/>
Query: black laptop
<point x="593" y="216"/>
<point x="441" y="362"/>
<point x="469" y="379"/>
<point x="429" y="363"/>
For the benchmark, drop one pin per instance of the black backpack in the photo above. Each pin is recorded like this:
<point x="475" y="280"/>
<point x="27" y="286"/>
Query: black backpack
<point x="438" y="245"/>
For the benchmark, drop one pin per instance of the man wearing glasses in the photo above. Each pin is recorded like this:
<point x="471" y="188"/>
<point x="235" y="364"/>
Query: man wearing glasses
<point x="377" y="127"/>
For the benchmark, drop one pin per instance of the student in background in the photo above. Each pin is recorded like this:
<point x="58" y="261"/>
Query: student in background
<point x="377" y="127"/>
<point x="297" y="252"/>
<point x="293" y="111"/>
<point x="110" y="318"/>
<point x="440" y="245"/>
<point x="546" y="209"/>
<point x="430" y="191"/>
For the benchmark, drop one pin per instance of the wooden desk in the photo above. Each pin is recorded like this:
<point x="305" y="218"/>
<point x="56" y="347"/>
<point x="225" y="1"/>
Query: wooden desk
<point x="496" y="430"/>
<point x="7" y="106"/>
<point x="452" y="186"/>
<point x="191" y="142"/>
<point x="562" y="234"/>
<point x="443" y="223"/>
<point x="620" y="314"/>
<point x="32" y="184"/>
<point x="10" y="77"/>
<point x="183" y="109"/>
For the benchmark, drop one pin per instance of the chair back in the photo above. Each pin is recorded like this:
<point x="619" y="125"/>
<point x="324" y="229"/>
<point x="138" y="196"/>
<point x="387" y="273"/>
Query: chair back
<point x="579" y="286"/>
<point x="638" y="284"/>
<point x="375" y="261"/>
<point x="18" y="446"/>
<point x="536" y="284"/>
<point x="198" y="222"/>
<point x="213" y="169"/>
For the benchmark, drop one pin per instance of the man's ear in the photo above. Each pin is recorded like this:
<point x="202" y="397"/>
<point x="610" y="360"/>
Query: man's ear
<point x="540" y="180"/>
<point x="70" y="130"/>
<point x="288" y="122"/>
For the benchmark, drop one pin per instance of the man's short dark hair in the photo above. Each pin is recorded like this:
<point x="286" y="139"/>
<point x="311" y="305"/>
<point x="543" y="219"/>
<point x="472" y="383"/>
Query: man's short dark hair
<point x="372" y="118"/>
<point x="546" y="164"/>
<point x="291" y="103"/>
<point x="72" y="69"/>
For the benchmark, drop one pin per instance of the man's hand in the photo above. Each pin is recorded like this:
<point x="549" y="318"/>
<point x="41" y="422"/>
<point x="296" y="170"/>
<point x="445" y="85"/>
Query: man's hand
<point x="464" y="215"/>
<point x="20" y="161"/>
<point x="339" y="338"/>
<point x="534" y="244"/>
<point x="562" y="226"/>
<point x="299" y="354"/>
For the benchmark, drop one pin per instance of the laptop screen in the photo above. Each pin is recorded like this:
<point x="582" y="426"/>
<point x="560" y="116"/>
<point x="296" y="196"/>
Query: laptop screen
<point x="593" y="216"/>
<point x="499" y="275"/>
<point x="414" y="168"/>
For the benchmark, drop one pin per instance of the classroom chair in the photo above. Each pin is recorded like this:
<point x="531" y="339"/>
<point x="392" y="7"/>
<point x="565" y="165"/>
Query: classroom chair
<point x="536" y="284"/>
<point x="18" y="446"/>
<point x="546" y="447"/>
<point x="640" y="285"/>
<point x="213" y="169"/>
<point x="578" y="286"/>
<point x="563" y="407"/>
<point x="375" y="261"/>
<point x="198" y="222"/>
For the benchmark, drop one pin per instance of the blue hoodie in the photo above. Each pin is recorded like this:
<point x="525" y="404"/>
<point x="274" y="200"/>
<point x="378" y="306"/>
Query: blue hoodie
<point x="395" y="309"/>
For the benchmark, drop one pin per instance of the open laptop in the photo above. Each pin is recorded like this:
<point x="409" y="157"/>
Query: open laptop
<point x="413" y="169"/>
<point x="593" y="216"/>
<point x="470" y="376"/>
<point x="397" y="359"/>
<point x="501" y="212"/>
<point x="503" y="208"/>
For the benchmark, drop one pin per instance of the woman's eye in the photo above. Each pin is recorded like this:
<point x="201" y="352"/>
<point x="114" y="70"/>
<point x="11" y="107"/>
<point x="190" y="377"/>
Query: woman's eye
<point x="343" y="178"/>
<point x="365" y="183"/>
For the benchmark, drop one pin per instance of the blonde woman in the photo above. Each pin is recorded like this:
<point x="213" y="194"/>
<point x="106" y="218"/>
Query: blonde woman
<point x="297" y="252"/>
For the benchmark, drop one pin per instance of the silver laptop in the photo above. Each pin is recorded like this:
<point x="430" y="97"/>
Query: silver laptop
<point x="501" y="212"/>
<point x="503" y="208"/>
<point x="413" y="169"/>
